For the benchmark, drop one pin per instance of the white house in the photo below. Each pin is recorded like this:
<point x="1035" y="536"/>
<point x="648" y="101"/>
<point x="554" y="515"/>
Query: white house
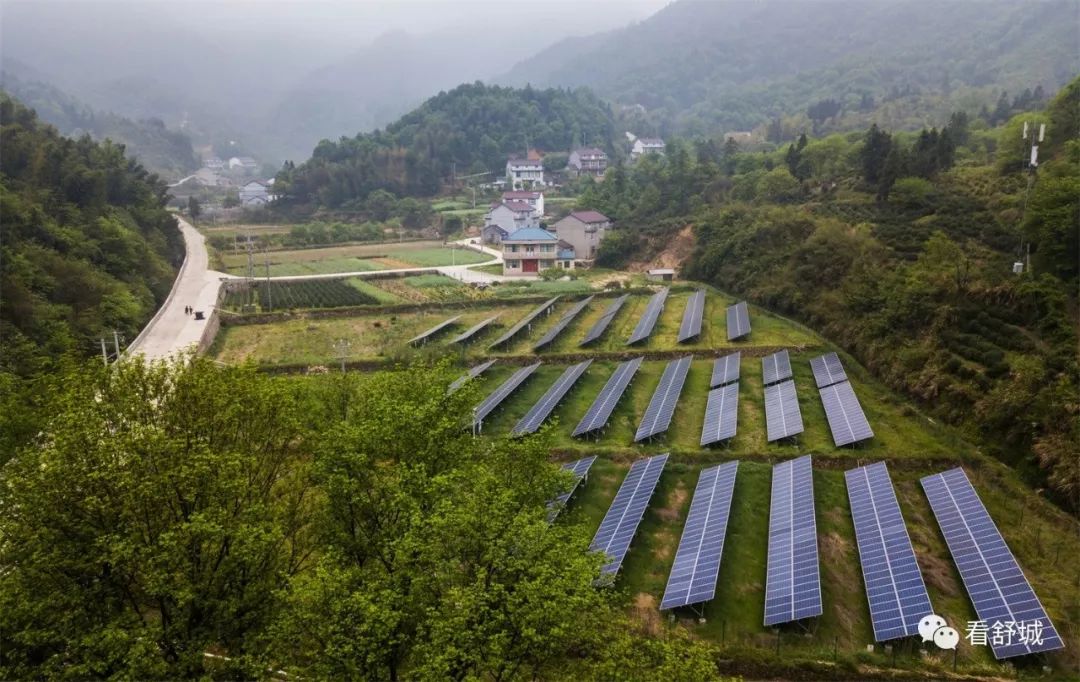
<point x="512" y="216"/>
<point x="588" y="161"/>
<point x="243" y="163"/>
<point x="524" y="173"/>
<point x="646" y="145"/>
<point x="534" y="199"/>
<point x="528" y="251"/>
<point x="584" y="230"/>
<point x="255" y="193"/>
<point x="214" y="163"/>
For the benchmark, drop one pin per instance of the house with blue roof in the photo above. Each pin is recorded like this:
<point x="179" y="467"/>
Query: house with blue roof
<point x="531" y="249"/>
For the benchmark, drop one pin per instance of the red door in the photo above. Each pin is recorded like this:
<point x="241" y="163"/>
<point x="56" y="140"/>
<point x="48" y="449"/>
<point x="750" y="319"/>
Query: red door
<point x="530" y="265"/>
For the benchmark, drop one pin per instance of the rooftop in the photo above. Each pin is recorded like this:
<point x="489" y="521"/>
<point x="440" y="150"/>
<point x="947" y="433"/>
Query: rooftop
<point x="590" y="216"/>
<point x="531" y="234"/>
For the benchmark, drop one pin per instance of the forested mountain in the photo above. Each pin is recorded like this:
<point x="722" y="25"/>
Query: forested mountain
<point x="160" y="150"/>
<point x="705" y="66"/>
<point x="470" y="129"/>
<point x="901" y="247"/>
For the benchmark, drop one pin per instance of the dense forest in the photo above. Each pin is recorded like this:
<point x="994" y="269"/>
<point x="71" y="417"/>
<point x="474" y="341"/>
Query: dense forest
<point x="901" y="247"/>
<point x="699" y="66"/>
<point x="158" y="149"/>
<point x="88" y="249"/>
<point x="470" y="129"/>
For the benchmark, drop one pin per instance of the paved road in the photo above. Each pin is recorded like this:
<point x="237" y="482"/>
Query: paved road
<point x="172" y="330"/>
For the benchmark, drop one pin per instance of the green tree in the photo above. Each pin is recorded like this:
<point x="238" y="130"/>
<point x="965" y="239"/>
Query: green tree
<point x="381" y="204"/>
<point x="194" y="207"/>
<point x="876" y="147"/>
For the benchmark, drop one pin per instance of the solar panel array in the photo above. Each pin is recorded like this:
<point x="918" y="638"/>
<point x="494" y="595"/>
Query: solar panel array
<point x="782" y="416"/>
<point x="697" y="561"/>
<point x="499" y="394"/>
<point x="793" y="580"/>
<point x="997" y="586"/>
<point x="580" y="469"/>
<point x="721" y="414"/>
<point x="738" y="321"/>
<point x="846" y="418"/>
<point x="601" y="325"/>
<point x="624" y="515"/>
<point x="827" y="370"/>
<point x="565" y="320"/>
<point x="649" y="317"/>
<point x="551" y="398"/>
<point x="662" y="405"/>
<point x="725" y="370"/>
<point x="472" y="374"/>
<point x="600" y="411"/>
<point x="423" y="338"/>
<point x="472" y="331"/>
<point x="525" y="321"/>
<point x="894" y="585"/>
<point x="775" y="367"/>
<point x="691" y="320"/>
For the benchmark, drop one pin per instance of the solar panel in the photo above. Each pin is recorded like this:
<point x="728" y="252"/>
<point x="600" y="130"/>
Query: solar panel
<point x="469" y="333"/>
<point x="894" y="586"/>
<point x="998" y="588"/>
<point x="600" y="411"/>
<point x="525" y="322"/>
<point x="827" y="370"/>
<point x="782" y="416"/>
<point x="691" y="319"/>
<point x="662" y="405"/>
<point x="601" y="325"/>
<point x="623" y="516"/>
<point x="846" y="418"/>
<point x="697" y="561"/>
<point x="565" y="320"/>
<point x="721" y="414"/>
<point x="423" y="338"/>
<point x="775" y="367"/>
<point x="551" y="398"/>
<point x="793" y="581"/>
<point x="499" y="394"/>
<point x="738" y="321"/>
<point x="472" y="374"/>
<point x="725" y="370"/>
<point x="649" y="317"/>
<point x="580" y="469"/>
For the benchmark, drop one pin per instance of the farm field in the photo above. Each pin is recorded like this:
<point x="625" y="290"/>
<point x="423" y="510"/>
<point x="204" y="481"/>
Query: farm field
<point x="354" y="258"/>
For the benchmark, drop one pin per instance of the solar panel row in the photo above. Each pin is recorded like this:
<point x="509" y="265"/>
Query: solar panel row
<point x="793" y="581"/>
<point x="580" y="470"/>
<point x="551" y="398"/>
<point x="563" y="322"/>
<point x="616" y="531"/>
<point x="649" y="317"/>
<point x="725" y="370"/>
<point x="472" y="331"/>
<point x="894" y="585"/>
<point x="697" y="561"/>
<point x="472" y="374"/>
<point x="782" y="416"/>
<point x="424" y="337"/>
<point x="662" y="405"/>
<point x="691" y="321"/>
<point x="998" y="588"/>
<point x="601" y="325"/>
<point x="738" y="321"/>
<point x="775" y="367"/>
<point x="846" y="418"/>
<point x="600" y="411"/>
<point x="827" y="370"/>
<point x="481" y="411"/>
<point x="721" y="414"/>
<point x="525" y="322"/>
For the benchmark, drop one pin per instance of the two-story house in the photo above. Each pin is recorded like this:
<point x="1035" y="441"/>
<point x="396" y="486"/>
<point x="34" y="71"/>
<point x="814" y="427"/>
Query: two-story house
<point x="528" y="251"/>
<point x="588" y="161"/>
<point x="584" y="230"/>
<point x="511" y="216"/>
<point x="525" y="173"/>
<point x="646" y="145"/>
<point x="534" y="199"/>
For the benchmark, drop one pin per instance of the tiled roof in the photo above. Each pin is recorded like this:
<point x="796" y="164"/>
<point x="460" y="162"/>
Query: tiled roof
<point x="531" y="234"/>
<point x="518" y="206"/>
<point x="589" y="217"/>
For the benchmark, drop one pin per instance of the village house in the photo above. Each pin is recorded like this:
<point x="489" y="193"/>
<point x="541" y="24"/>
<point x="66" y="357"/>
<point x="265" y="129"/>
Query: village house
<point x="511" y="216"/>
<point x="493" y="234"/>
<point x="255" y="193"/>
<point x="588" y="161"/>
<point x="646" y="145"/>
<point x="584" y="230"/>
<point x="245" y="163"/>
<point x="525" y="173"/>
<point x="534" y="199"/>
<point x="214" y="163"/>
<point x="530" y="250"/>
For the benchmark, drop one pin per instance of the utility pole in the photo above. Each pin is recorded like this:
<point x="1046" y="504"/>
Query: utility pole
<point x="116" y="342"/>
<point x="104" y="352"/>
<point x="341" y="348"/>
<point x="269" y="299"/>
<point x="1031" y="165"/>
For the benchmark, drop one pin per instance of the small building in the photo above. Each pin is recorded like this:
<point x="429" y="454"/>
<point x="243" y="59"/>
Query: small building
<point x="646" y="145"/>
<point x="255" y="193"/>
<point x="534" y="199"/>
<point x="588" y="161"/>
<point x="565" y="255"/>
<point x="584" y="230"/>
<point x="213" y="163"/>
<point x="528" y="251"/>
<point x="525" y="173"/>
<point x="245" y="163"/>
<point x="661" y="274"/>
<point x="493" y="234"/>
<point x="511" y="216"/>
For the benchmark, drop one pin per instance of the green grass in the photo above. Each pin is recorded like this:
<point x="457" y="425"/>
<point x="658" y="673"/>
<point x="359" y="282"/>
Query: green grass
<point x="380" y="295"/>
<point x="353" y="258"/>
<point x="540" y="287"/>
